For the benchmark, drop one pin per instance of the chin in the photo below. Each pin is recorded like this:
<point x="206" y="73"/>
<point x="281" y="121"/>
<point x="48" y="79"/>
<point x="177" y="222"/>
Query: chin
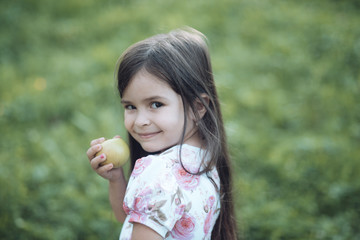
<point x="150" y="149"/>
<point x="154" y="148"/>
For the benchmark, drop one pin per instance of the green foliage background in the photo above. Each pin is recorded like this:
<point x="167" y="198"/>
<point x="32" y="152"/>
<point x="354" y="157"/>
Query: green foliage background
<point x="288" y="74"/>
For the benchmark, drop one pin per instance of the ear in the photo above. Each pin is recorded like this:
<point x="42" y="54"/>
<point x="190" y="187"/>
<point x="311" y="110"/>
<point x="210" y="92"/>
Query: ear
<point x="199" y="104"/>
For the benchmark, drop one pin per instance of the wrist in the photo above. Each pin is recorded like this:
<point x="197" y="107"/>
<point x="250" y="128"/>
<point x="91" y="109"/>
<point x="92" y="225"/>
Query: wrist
<point x="115" y="181"/>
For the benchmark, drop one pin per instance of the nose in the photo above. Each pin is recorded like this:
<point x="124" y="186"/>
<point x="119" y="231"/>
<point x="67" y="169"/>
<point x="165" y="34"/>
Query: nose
<point x="142" y="119"/>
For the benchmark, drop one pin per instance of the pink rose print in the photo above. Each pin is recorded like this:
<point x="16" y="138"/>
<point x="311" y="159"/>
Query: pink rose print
<point x="209" y="217"/>
<point x="187" y="153"/>
<point x="141" y="202"/>
<point x="184" y="228"/>
<point x="180" y="209"/>
<point x="189" y="160"/>
<point x="137" y="217"/>
<point x="211" y="201"/>
<point x="126" y="208"/>
<point x="140" y="206"/>
<point x="186" y="180"/>
<point x="140" y="165"/>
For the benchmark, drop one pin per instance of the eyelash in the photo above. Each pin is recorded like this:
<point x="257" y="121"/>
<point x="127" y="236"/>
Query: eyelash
<point x="129" y="107"/>
<point x="156" y="105"/>
<point x="153" y="105"/>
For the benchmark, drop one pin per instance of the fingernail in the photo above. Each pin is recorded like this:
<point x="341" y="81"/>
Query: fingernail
<point x="102" y="156"/>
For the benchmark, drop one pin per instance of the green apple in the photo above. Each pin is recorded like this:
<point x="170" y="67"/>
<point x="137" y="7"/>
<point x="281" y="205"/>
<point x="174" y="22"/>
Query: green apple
<point x="116" y="151"/>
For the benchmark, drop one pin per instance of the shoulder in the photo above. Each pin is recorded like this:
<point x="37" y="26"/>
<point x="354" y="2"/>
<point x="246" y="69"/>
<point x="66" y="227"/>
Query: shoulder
<point x="152" y="196"/>
<point x="191" y="159"/>
<point x="164" y="196"/>
<point x="154" y="173"/>
<point x="154" y="165"/>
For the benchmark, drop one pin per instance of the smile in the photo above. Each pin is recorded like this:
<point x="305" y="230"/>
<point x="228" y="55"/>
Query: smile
<point x="147" y="135"/>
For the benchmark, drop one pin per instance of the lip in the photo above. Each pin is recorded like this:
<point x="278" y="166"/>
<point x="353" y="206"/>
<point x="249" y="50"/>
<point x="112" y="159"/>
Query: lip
<point x="147" y="135"/>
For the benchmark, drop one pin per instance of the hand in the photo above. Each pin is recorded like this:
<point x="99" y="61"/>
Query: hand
<point x="107" y="171"/>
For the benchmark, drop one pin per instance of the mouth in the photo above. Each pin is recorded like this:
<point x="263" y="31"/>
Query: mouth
<point x="147" y="135"/>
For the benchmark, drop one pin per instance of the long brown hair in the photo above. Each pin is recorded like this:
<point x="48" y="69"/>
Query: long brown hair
<point x="181" y="59"/>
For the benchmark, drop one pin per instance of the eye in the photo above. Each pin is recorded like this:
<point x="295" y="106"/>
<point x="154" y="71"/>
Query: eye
<point x="156" y="105"/>
<point x="129" y="107"/>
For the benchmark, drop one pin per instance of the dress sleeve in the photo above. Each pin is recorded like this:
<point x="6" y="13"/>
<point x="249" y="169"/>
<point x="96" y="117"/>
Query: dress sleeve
<point x="153" y="197"/>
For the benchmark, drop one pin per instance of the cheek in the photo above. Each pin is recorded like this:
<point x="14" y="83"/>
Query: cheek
<point x="173" y="120"/>
<point x="175" y="126"/>
<point x="127" y="122"/>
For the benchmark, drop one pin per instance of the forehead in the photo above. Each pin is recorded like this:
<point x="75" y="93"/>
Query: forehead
<point x="144" y="84"/>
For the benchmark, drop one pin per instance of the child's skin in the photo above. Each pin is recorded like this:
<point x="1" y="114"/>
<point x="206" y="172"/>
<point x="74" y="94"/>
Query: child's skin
<point x="154" y="116"/>
<point x="117" y="188"/>
<point x="117" y="181"/>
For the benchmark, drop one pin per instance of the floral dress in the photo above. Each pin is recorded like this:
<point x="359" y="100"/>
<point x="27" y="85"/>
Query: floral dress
<point x="172" y="202"/>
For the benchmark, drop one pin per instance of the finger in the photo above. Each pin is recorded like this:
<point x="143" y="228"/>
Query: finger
<point x="97" y="141"/>
<point x="117" y="136"/>
<point x="93" y="150"/>
<point x="95" y="162"/>
<point x="103" y="170"/>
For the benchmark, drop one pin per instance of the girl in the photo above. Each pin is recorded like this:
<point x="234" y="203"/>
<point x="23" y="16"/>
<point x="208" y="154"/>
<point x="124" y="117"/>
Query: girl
<point x="180" y="184"/>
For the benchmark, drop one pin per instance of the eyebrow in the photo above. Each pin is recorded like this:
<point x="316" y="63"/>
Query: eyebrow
<point x="125" y="102"/>
<point x="149" y="99"/>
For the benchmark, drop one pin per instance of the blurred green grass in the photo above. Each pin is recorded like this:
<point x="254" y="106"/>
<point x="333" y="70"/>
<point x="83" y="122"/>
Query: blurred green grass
<point x="288" y="75"/>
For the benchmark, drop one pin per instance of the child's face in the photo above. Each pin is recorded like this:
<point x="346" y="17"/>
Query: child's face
<point x="154" y="114"/>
